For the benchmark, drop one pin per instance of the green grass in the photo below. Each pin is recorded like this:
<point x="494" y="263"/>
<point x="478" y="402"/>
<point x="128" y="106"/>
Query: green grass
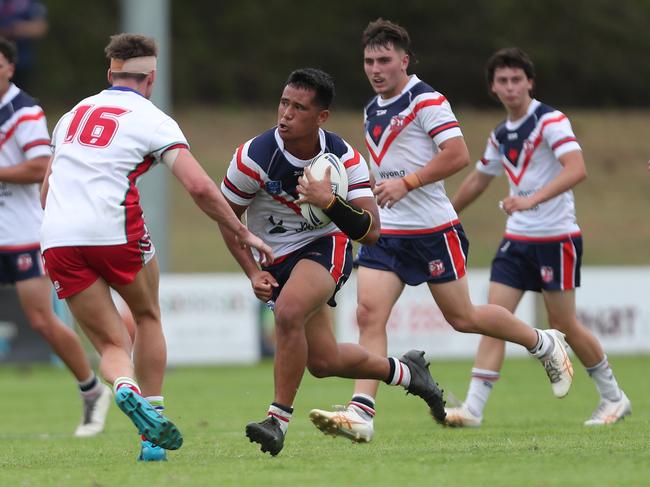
<point x="529" y="437"/>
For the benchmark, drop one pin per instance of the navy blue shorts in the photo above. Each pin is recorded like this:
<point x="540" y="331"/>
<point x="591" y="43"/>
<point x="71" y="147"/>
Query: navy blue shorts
<point x="435" y="257"/>
<point x="536" y="265"/>
<point x="20" y="264"/>
<point x="334" y="252"/>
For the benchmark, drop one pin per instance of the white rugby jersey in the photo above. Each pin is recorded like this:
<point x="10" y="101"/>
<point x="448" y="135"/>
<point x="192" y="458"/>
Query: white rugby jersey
<point x="101" y="148"/>
<point x="403" y="134"/>
<point x="23" y="136"/>
<point x="528" y="150"/>
<point x="263" y="176"/>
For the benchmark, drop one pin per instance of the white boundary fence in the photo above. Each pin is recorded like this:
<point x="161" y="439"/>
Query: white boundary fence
<point x="214" y="318"/>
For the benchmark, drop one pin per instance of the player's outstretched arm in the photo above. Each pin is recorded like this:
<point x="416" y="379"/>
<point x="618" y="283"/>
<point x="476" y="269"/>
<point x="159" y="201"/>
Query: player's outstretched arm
<point x="573" y="172"/>
<point x="207" y="196"/>
<point x="261" y="281"/>
<point x="471" y="188"/>
<point x="27" y="172"/>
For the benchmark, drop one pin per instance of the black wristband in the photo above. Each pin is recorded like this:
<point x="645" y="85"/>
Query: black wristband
<point x="352" y="221"/>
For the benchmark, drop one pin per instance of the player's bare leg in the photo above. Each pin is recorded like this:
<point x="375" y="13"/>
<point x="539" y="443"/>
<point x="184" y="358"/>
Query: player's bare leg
<point x="497" y="322"/>
<point x="614" y="404"/>
<point x="149" y="348"/>
<point x="36" y="300"/>
<point x="487" y="364"/>
<point x="377" y="293"/>
<point x="35" y="297"/>
<point x="96" y="312"/>
<point x="304" y="294"/>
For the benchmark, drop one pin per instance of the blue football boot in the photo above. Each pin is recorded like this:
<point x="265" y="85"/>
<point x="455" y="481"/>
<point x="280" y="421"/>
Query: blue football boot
<point x="150" y="423"/>
<point x="151" y="453"/>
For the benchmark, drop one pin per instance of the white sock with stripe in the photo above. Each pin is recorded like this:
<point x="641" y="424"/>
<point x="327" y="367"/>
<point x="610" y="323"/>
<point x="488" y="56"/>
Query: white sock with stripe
<point x="399" y="375"/>
<point x="126" y="382"/>
<point x="364" y="405"/>
<point x="282" y="414"/>
<point x="605" y="381"/>
<point x="479" y="390"/>
<point x="544" y="345"/>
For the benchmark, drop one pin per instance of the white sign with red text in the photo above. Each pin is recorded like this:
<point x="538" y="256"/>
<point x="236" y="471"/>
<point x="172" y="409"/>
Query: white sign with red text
<point x="416" y="321"/>
<point x="612" y="302"/>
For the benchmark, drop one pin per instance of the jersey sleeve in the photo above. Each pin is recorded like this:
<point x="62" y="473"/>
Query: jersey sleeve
<point x="31" y="133"/>
<point x="490" y="163"/>
<point x="559" y="135"/>
<point x="358" y="174"/>
<point x="243" y="178"/>
<point x="436" y="118"/>
<point x="168" y="135"/>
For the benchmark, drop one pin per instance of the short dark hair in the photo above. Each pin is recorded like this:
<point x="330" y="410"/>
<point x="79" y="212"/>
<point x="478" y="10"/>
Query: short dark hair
<point x="509" y="57"/>
<point x="383" y="33"/>
<point x="314" y="80"/>
<point x="8" y="50"/>
<point x="126" y="46"/>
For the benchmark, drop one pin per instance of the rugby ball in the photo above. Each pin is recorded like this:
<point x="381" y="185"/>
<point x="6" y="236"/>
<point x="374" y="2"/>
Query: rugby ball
<point x="339" y="179"/>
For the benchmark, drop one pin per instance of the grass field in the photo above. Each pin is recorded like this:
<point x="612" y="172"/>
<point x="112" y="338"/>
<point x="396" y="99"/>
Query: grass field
<point x="612" y="204"/>
<point x="529" y="437"/>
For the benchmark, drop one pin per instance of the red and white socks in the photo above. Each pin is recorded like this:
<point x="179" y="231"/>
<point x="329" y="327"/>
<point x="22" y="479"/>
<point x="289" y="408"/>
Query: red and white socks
<point x="282" y="414"/>
<point x="399" y="374"/>
<point x="479" y="390"/>
<point x="363" y="405"/>
<point x="126" y="382"/>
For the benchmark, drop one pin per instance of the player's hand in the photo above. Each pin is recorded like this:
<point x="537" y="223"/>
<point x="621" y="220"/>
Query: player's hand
<point x="389" y="192"/>
<point x="247" y="239"/>
<point x="314" y="191"/>
<point x="516" y="203"/>
<point x="263" y="283"/>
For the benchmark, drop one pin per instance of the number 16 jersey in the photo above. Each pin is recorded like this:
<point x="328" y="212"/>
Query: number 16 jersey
<point x="101" y="148"/>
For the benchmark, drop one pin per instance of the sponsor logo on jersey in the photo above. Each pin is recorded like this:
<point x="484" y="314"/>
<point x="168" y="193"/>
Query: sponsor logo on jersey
<point x="436" y="268"/>
<point x="546" y="273"/>
<point x="379" y="113"/>
<point x="513" y="135"/>
<point x="24" y="262"/>
<point x="273" y="187"/>
<point x="278" y="226"/>
<point x="376" y="131"/>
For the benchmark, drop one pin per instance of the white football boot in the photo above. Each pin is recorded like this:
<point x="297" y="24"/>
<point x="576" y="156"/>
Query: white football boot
<point x="558" y="364"/>
<point x="609" y="412"/>
<point x="462" y="417"/>
<point x="94" y="414"/>
<point x="343" y="422"/>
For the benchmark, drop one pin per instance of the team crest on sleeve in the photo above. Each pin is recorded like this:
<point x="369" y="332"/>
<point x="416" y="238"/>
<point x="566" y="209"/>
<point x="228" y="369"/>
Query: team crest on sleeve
<point x="546" y="273"/>
<point x="273" y="187"/>
<point x="436" y="268"/>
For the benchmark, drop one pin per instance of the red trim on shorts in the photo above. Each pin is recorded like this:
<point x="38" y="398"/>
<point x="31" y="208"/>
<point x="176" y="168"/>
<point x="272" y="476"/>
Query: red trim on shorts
<point x="20" y="248"/>
<point x="568" y="265"/>
<point x="553" y="238"/>
<point x="421" y="231"/>
<point x="338" y="257"/>
<point x="455" y="253"/>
